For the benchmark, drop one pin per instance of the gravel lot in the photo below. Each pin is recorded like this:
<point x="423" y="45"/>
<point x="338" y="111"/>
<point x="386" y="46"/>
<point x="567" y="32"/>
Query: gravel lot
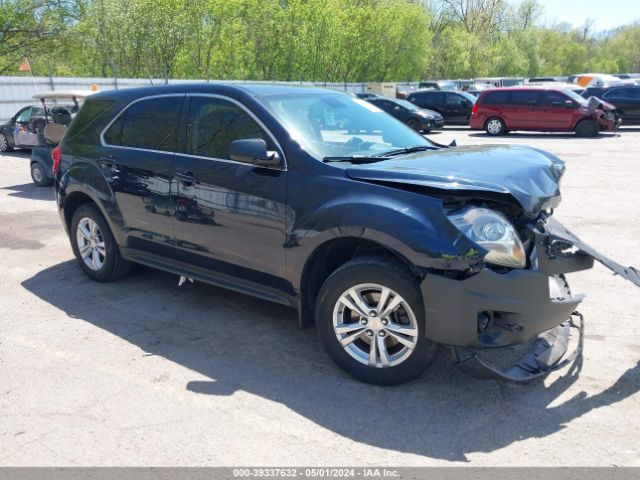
<point x="141" y="372"/>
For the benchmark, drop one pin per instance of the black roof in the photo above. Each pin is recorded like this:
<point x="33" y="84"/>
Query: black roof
<point x="253" y="89"/>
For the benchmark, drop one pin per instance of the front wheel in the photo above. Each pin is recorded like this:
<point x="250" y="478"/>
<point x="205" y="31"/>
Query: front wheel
<point x="94" y="246"/>
<point x="370" y="319"/>
<point x="5" y="146"/>
<point x="587" y="128"/>
<point x="495" y="126"/>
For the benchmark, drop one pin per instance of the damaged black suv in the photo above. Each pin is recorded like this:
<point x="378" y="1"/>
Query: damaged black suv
<point x="390" y="244"/>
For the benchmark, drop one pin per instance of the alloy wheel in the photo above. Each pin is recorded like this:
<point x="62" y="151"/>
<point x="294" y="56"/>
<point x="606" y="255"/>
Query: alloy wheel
<point x="494" y="126"/>
<point x="91" y="243"/>
<point x="4" y="144"/>
<point x="375" y="325"/>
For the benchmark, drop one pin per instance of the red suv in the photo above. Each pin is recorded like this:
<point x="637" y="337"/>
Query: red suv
<point x="541" y="109"/>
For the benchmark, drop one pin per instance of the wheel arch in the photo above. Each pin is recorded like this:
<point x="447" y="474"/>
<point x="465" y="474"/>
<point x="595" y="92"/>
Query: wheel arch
<point x="327" y="258"/>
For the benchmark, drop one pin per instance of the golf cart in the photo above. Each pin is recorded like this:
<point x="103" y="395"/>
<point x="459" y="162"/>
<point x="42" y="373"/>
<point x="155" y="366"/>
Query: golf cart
<point x="44" y="134"/>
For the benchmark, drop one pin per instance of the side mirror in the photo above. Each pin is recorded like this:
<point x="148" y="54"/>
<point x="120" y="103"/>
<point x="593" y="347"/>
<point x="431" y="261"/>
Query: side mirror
<point x="569" y="104"/>
<point x="253" y="150"/>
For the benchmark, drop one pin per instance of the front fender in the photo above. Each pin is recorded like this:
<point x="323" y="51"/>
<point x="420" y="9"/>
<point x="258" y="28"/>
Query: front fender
<point x="413" y="225"/>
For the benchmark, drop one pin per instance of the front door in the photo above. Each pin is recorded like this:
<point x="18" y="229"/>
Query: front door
<point x="136" y="162"/>
<point x="25" y="131"/>
<point x="229" y="215"/>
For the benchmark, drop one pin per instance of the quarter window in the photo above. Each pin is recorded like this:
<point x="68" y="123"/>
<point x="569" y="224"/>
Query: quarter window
<point x="214" y="123"/>
<point x="148" y="124"/>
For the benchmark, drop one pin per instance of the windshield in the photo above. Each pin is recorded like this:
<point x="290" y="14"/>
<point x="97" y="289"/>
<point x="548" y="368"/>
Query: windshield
<point x="332" y="125"/>
<point x="575" y="97"/>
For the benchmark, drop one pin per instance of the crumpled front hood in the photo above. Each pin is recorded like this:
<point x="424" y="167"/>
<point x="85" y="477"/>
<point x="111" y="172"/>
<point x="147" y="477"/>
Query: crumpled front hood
<point x="595" y="103"/>
<point x="529" y="175"/>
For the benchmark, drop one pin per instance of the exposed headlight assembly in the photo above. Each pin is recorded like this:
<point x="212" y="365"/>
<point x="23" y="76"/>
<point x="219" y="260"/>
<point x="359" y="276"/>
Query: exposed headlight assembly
<point x="493" y="232"/>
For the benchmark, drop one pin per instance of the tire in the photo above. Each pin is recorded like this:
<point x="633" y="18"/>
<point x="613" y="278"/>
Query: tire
<point x="39" y="176"/>
<point x="587" y="128"/>
<point x="110" y="265"/>
<point x="5" y="146"/>
<point x="413" y="124"/>
<point x="495" y="126"/>
<point x="366" y="277"/>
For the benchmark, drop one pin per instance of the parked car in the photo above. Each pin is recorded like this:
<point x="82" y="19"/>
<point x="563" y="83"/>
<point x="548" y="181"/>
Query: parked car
<point x="419" y="119"/>
<point x="454" y="106"/>
<point x="22" y="130"/>
<point x="541" y="109"/>
<point x="26" y="128"/>
<point x="390" y="244"/>
<point x="626" y="99"/>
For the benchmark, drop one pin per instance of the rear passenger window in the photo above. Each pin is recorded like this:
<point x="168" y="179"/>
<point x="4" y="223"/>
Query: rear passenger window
<point x="524" y="97"/>
<point x="496" y="98"/>
<point x="214" y="123"/>
<point x="148" y="124"/>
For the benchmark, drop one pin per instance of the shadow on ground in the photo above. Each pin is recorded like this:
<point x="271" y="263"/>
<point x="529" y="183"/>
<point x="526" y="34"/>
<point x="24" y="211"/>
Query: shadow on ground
<point x="241" y="343"/>
<point x="30" y="191"/>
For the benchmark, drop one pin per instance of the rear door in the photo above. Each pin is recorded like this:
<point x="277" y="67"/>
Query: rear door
<point x="555" y="112"/>
<point x="524" y="111"/>
<point x="229" y="215"/>
<point x="138" y="148"/>
<point x="430" y="100"/>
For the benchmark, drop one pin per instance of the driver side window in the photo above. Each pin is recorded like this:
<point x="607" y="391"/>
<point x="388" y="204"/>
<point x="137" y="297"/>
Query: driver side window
<point x="24" y="116"/>
<point x="214" y="123"/>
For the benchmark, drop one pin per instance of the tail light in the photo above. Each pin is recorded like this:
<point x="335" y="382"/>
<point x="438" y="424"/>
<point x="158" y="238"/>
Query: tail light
<point x="474" y="110"/>
<point x="56" y="155"/>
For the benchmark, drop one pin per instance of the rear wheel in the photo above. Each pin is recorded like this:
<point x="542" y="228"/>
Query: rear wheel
<point x="370" y="319"/>
<point x="5" y="146"/>
<point x="94" y="246"/>
<point x="39" y="176"/>
<point x="587" y="128"/>
<point x="495" y="126"/>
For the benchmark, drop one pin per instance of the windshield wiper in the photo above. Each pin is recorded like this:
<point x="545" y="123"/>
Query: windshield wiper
<point x="356" y="159"/>
<point x="415" y="148"/>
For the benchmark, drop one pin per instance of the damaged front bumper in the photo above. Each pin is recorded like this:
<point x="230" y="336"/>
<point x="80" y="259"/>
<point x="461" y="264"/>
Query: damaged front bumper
<point x="490" y="310"/>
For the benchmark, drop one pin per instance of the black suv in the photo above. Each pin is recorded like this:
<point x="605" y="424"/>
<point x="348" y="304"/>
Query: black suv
<point x="625" y="98"/>
<point x="315" y="199"/>
<point x="455" y="107"/>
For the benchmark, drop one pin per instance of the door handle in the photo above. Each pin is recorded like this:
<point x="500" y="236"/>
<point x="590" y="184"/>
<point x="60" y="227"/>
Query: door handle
<point x="187" y="178"/>
<point x="108" y="162"/>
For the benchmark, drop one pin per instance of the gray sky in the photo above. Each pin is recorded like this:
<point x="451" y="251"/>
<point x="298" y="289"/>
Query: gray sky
<point x="606" y="13"/>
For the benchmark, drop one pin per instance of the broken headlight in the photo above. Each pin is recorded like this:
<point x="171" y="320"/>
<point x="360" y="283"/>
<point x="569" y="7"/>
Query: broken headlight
<point x="493" y="232"/>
